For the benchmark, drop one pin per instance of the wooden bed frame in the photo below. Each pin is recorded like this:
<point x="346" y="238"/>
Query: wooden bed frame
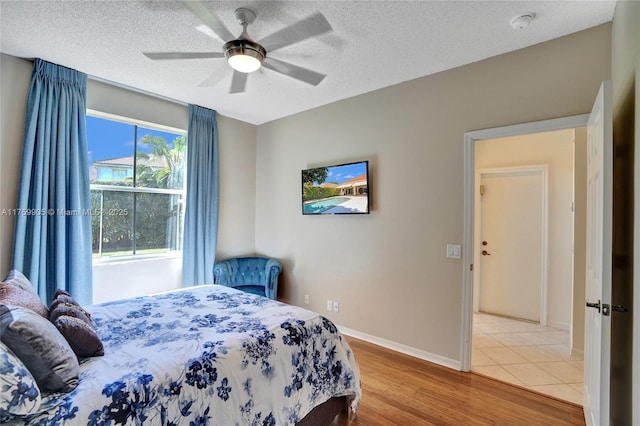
<point x="325" y="413"/>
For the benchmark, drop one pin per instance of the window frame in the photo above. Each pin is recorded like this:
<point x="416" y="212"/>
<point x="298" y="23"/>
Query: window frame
<point x="141" y="189"/>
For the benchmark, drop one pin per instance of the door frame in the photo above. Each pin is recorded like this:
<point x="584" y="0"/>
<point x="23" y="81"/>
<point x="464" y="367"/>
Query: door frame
<point x="543" y="171"/>
<point x="468" y="249"/>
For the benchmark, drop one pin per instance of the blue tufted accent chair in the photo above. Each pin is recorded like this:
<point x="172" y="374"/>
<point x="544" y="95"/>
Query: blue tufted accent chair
<point x="257" y="275"/>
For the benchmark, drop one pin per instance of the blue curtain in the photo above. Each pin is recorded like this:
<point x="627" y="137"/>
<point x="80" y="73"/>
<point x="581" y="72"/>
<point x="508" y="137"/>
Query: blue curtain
<point x="201" y="212"/>
<point x="52" y="244"/>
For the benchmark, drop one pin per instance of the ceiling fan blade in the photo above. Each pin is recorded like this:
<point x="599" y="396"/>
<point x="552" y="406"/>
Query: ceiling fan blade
<point x="238" y="82"/>
<point x="212" y="80"/>
<point x="201" y="10"/>
<point x="183" y="55"/>
<point x="294" y="71"/>
<point x="207" y="31"/>
<point x="310" y="26"/>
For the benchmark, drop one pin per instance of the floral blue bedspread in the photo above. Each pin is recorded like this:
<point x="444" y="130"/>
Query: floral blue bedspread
<point x="207" y="355"/>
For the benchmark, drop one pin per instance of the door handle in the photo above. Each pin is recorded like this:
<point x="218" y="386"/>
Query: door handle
<point x="618" y="308"/>
<point x="485" y="253"/>
<point x="606" y="308"/>
<point x="594" y="305"/>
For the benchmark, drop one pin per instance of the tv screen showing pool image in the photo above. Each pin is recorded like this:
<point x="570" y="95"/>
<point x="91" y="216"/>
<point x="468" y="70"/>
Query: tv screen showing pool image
<point x="339" y="189"/>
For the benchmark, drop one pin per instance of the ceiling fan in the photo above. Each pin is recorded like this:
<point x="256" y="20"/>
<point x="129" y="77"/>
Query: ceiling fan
<point x="244" y="54"/>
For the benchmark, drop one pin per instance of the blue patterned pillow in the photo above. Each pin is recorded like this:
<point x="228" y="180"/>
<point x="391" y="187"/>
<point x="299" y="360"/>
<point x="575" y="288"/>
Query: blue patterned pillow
<point x="19" y="393"/>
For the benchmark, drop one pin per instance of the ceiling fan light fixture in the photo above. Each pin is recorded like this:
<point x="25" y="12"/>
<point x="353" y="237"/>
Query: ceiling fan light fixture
<point x="244" y="55"/>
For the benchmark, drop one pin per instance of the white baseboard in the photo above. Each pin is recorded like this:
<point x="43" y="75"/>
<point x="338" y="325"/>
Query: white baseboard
<point x="559" y="325"/>
<point x="577" y="352"/>
<point x="399" y="347"/>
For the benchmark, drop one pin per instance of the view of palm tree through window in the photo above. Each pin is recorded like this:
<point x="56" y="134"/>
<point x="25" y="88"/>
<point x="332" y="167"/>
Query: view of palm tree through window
<point x="137" y="181"/>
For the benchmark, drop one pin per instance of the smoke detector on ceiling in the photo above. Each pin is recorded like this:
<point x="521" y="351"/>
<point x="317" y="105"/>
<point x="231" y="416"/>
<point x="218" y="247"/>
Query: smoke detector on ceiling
<point x="523" y="20"/>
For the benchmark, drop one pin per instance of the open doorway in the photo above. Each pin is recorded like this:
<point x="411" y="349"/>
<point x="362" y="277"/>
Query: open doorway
<point x="531" y="335"/>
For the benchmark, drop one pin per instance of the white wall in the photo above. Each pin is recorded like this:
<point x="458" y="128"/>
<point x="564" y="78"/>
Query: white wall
<point x="123" y="279"/>
<point x="579" y="238"/>
<point x="131" y="278"/>
<point x="554" y="149"/>
<point x="388" y="269"/>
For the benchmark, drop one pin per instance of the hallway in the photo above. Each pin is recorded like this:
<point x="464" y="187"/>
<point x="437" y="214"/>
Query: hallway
<point x="527" y="355"/>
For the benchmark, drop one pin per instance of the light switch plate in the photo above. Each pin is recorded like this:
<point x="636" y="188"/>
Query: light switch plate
<point x="454" y="251"/>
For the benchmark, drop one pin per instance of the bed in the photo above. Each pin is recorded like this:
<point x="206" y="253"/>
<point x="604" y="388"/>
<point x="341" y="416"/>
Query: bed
<point x="208" y="355"/>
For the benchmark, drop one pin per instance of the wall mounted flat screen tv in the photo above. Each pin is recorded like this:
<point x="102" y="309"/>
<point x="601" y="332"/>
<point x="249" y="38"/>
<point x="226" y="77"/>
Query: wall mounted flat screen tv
<point x="339" y="189"/>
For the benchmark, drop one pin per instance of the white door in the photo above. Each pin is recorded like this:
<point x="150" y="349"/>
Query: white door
<point x="512" y="229"/>
<point x="599" y="253"/>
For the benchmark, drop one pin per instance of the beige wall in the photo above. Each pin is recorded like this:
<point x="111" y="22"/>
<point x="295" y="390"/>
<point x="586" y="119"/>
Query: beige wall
<point x="237" y="177"/>
<point x="555" y="150"/>
<point x="15" y="75"/>
<point x="236" y="223"/>
<point x="119" y="101"/>
<point x="388" y="270"/>
<point x="625" y="354"/>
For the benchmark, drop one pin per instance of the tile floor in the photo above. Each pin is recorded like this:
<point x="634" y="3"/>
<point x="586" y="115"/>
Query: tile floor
<point x="527" y="355"/>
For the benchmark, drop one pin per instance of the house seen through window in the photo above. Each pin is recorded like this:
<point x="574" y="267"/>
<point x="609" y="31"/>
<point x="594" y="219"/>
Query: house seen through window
<point x="137" y="177"/>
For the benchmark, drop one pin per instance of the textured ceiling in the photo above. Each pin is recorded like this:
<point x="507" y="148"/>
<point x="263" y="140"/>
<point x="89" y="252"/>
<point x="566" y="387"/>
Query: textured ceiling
<point x="373" y="44"/>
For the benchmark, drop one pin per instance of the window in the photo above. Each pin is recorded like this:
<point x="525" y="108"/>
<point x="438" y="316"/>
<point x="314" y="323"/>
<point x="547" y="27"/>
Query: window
<point x="136" y="179"/>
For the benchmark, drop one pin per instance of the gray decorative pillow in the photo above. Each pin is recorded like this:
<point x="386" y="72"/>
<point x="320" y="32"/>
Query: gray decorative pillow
<point x="40" y="347"/>
<point x="19" y="393"/>
<point x="18" y="279"/>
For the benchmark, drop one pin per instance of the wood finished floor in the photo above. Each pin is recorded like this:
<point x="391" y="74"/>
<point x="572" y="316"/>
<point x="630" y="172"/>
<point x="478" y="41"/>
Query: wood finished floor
<point x="398" y="389"/>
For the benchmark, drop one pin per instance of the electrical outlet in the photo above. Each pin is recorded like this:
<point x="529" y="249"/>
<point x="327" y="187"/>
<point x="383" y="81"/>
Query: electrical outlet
<point x="336" y="306"/>
<point x="329" y="305"/>
<point x="306" y="299"/>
